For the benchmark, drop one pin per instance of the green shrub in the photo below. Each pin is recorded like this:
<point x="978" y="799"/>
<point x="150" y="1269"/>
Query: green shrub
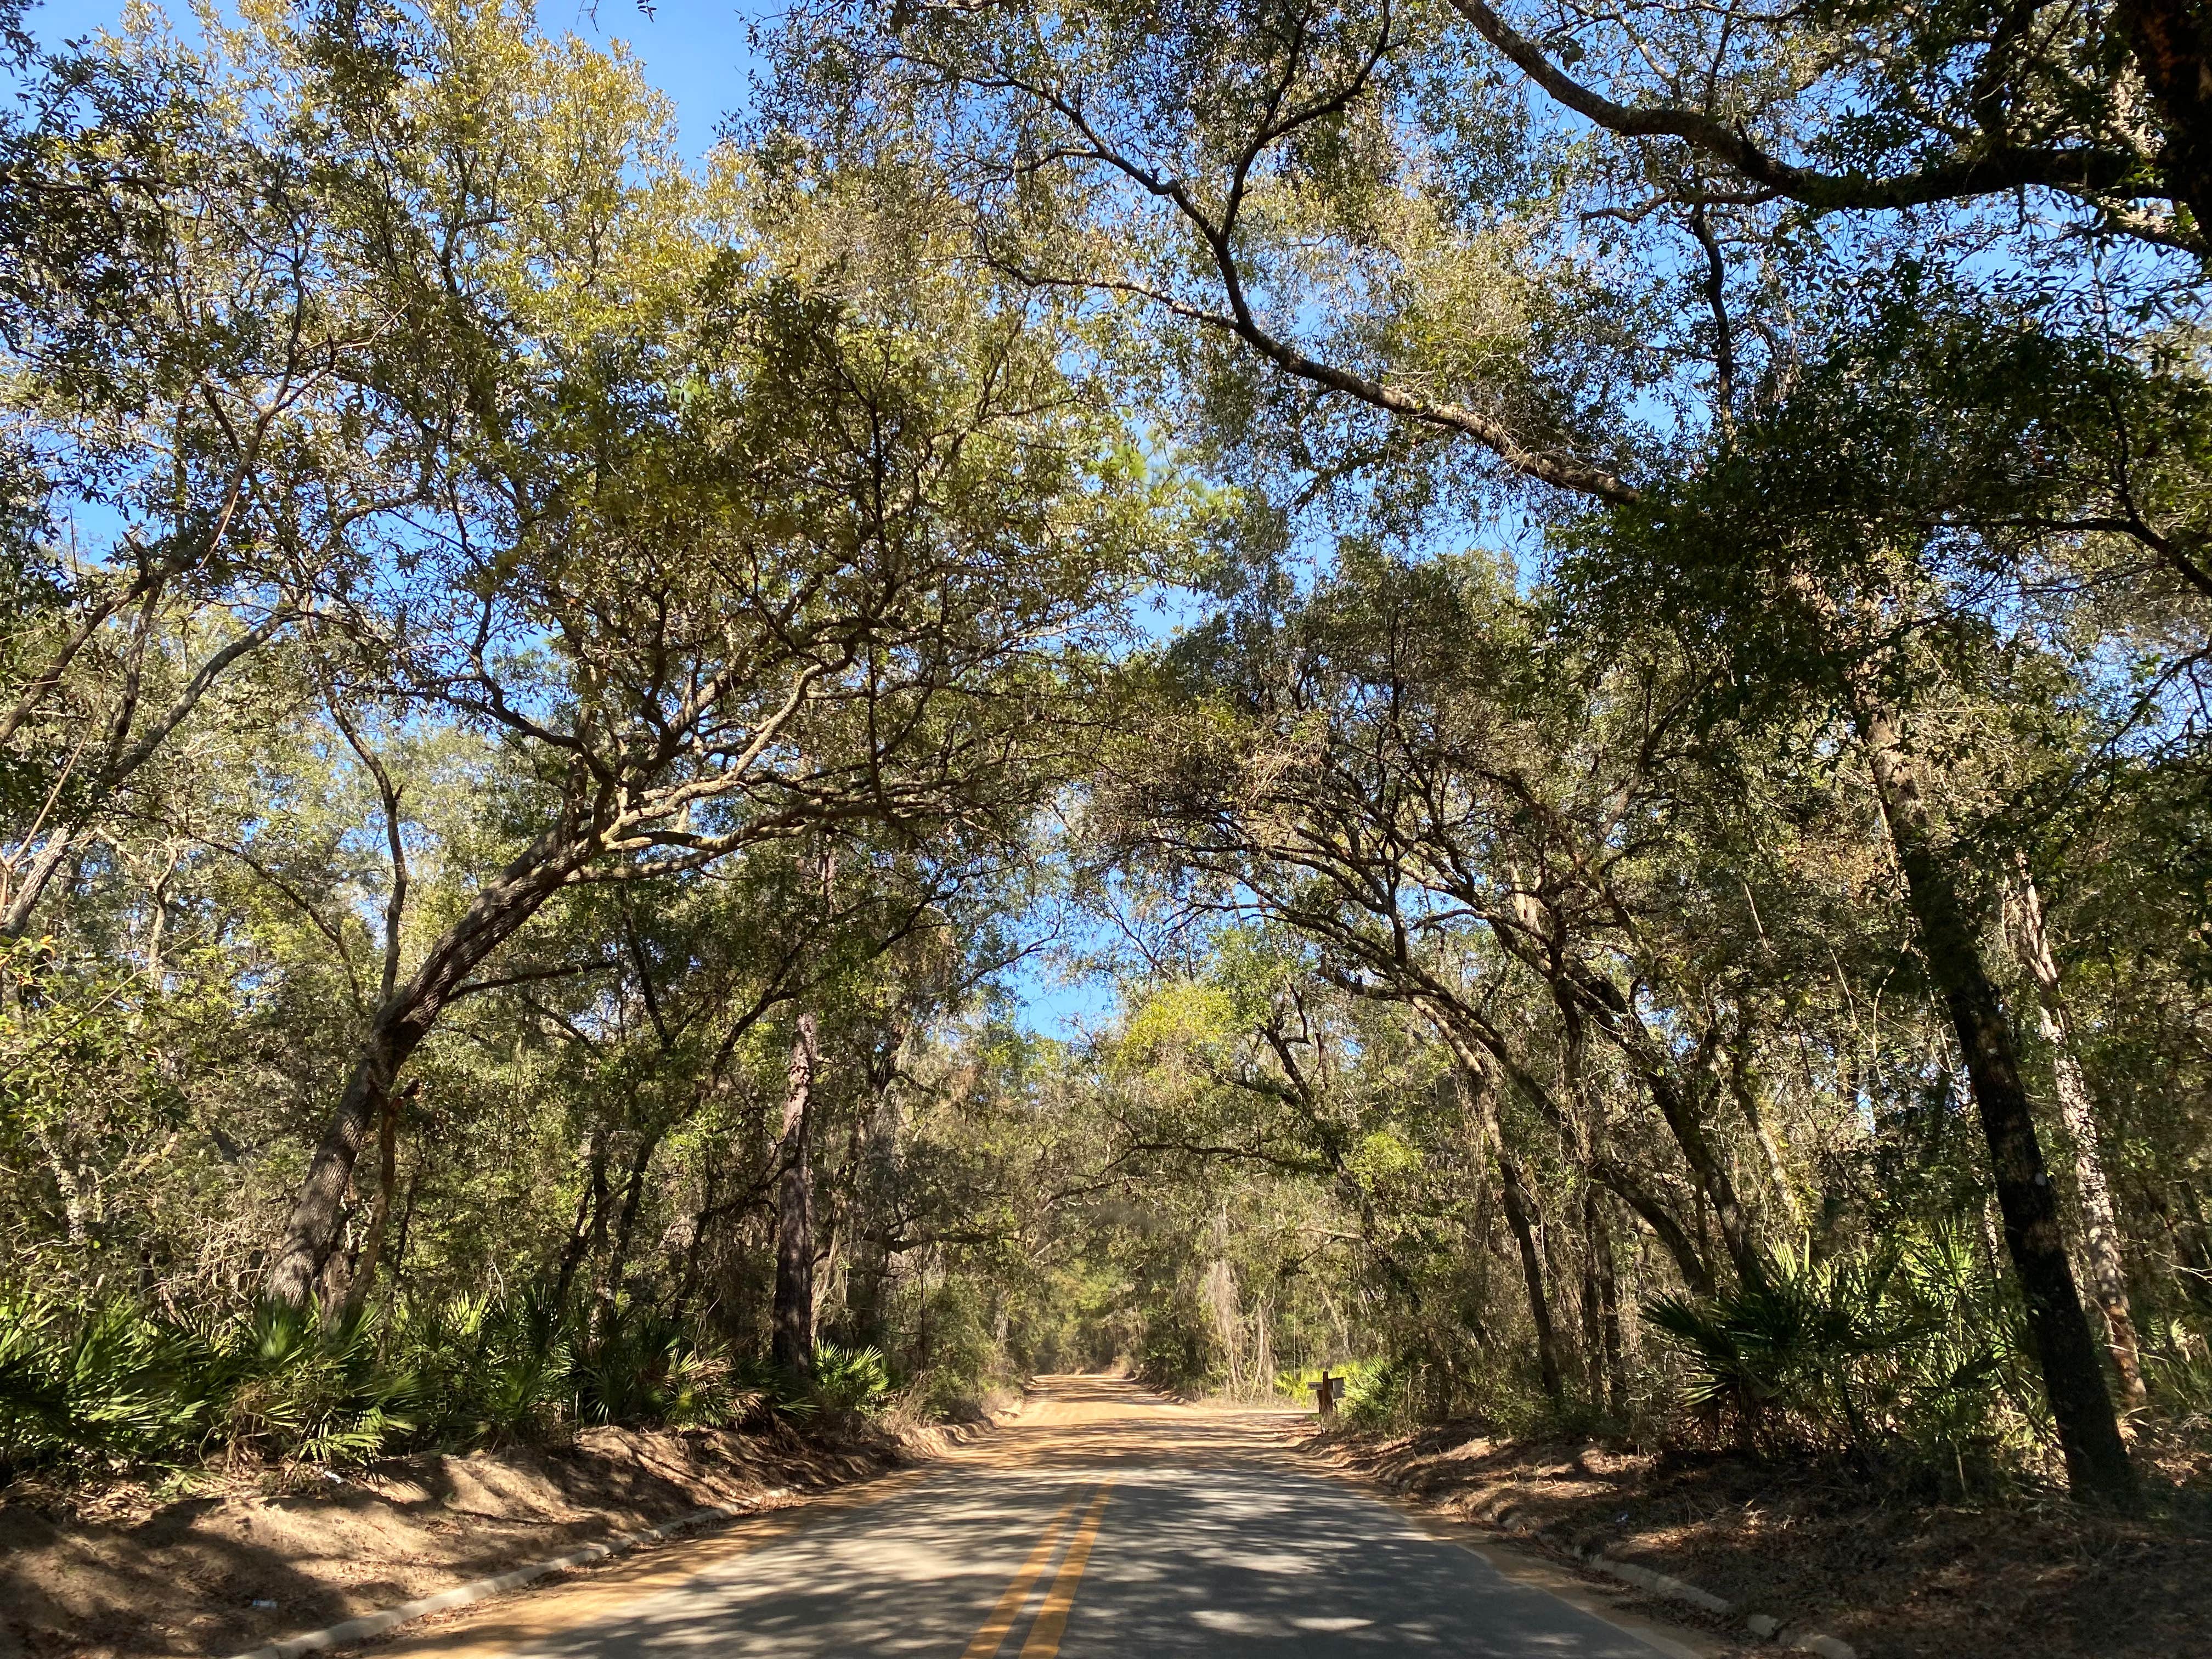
<point x="1905" y="1353"/>
<point x="964" y="1361"/>
<point x="847" y="1383"/>
<point x="293" y="1386"/>
<point x="97" y="1380"/>
<point x="2177" y="1363"/>
<point x="488" y="1370"/>
<point x="1380" y="1396"/>
<point x="107" y="1383"/>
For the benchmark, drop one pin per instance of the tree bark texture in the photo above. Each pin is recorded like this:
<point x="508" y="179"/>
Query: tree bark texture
<point x="2100" y="1226"/>
<point x="2096" y="1464"/>
<point x="397" y="1028"/>
<point x="1475" y="1087"/>
<point x="387" y="1178"/>
<point x="1609" y="1360"/>
<point x="791" y="1341"/>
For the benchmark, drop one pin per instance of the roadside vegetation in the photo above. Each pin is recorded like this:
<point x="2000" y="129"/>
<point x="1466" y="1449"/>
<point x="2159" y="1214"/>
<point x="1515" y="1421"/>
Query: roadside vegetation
<point x="1585" y="633"/>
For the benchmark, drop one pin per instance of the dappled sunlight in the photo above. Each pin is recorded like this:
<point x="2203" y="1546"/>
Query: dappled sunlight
<point x="1210" y="1538"/>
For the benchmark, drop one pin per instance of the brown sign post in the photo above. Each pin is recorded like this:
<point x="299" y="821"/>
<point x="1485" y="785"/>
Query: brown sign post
<point x="1325" y="1393"/>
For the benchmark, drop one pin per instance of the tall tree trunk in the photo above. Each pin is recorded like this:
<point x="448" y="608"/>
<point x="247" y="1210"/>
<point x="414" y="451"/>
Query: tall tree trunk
<point x="1691" y="1262"/>
<point x="1476" y="1090"/>
<point x="397" y="1028"/>
<point x="791" y="1341"/>
<point x="591" y="1205"/>
<point x="2096" y="1464"/>
<point x="633" y="1197"/>
<point x="1744" y="1083"/>
<point x="1710" y="1169"/>
<point x="1583" y="996"/>
<point x="1609" y="1360"/>
<point x="2101" y="1226"/>
<point x="1600" y="1304"/>
<point x="1476" y="1045"/>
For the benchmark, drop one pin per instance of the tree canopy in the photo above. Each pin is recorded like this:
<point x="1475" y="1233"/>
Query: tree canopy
<point x="1586" y="630"/>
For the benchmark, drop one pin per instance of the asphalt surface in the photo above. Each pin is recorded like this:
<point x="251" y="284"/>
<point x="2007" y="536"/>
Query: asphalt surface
<point x="1105" y="1522"/>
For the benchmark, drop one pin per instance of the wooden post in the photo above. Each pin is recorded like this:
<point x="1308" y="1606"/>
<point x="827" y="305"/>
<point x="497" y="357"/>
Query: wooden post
<point x="1325" y="1393"/>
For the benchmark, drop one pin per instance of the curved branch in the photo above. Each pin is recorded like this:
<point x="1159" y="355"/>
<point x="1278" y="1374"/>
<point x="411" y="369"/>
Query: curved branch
<point x="2080" y="171"/>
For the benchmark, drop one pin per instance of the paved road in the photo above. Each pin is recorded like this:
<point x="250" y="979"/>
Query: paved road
<point x="1105" y="1522"/>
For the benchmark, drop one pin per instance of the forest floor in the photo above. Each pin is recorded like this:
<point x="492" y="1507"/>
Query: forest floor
<point x="1823" y="1551"/>
<point x="124" y="1573"/>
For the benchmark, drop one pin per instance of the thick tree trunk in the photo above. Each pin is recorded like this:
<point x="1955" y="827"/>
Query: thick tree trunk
<point x="1475" y="1089"/>
<point x="2096" y="1464"/>
<point x="2101" y="1226"/>
<point x="791" y="1341"/>
<point x="395" y="1032"/>
<point x="387" y="1178"/>
<point x="317" y="1216"/>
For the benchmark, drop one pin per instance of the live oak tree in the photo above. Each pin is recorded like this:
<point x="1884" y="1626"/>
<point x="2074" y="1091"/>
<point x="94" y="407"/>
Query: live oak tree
<point x="767" y="567"/>
<point x="1649" y="873"/>
<point x="194" y="468"/>
<point x="1356" y="204"/>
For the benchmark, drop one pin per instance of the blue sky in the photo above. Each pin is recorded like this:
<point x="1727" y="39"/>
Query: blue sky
<point x="695" y="50"/>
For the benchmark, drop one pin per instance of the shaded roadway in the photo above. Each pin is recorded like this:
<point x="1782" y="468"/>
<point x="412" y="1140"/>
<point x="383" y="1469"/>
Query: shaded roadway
<point x="1102" y="1522"/>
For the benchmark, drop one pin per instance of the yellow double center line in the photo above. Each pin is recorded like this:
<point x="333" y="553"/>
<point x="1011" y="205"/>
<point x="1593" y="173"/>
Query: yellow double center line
<point x="1051" y="1618"/>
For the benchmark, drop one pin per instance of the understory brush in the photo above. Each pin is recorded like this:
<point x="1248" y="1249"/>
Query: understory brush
<point x="104" y="1384"/>
<point x="1906" y="1354"/>
<point x="847" y="1384"/>
<point x="963" y="1365"/>
<point x="1906" y="1360"/>
<point x="1399" y="1393"/>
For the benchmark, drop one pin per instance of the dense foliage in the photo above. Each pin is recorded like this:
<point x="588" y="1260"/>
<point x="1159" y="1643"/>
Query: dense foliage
<point x="1587" y="628"/>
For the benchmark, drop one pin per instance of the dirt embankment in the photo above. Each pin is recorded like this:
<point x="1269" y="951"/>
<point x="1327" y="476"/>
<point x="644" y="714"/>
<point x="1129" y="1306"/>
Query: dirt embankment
<point x="124" y="1577"/>
<point x="1821" y="1550"/>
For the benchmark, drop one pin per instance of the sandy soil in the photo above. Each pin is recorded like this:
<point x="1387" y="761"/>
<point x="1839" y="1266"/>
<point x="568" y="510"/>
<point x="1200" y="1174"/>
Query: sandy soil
<point x="129" y="1579"/>
<point x="1822" y="1551"/>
